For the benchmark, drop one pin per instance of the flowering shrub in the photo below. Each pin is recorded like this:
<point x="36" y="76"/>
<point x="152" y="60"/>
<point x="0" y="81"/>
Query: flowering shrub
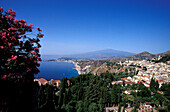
<point x="19" y="47"/>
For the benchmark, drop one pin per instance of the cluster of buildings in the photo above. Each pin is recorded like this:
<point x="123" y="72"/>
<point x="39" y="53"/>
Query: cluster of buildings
<point x="142" y="108"/>
<point x="146" y="71"/>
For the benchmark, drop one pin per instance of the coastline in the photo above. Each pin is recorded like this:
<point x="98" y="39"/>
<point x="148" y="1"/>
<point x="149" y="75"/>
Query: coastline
<point x="77" y="67"/>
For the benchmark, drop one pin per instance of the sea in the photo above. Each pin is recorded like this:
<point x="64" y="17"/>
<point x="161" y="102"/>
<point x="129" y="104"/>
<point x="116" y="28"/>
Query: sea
<point x="56" y="70"/>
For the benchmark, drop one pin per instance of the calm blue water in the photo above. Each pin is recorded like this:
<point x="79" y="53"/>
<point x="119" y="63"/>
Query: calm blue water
<point x="56" y="70"/>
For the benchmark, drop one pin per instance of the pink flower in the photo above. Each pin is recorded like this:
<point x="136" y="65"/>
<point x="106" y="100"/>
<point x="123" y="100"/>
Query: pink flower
<point x="38" y="59"/>
<point x="20" y="24"/>
<point x="10" y="74"/>
<point x="9" y="59"/>
<point x="11" y="12"/>
<point x="4" y="77"/>
<point x="9" y="44"/>
<point x="38" y="29"/>
<point x="35" y="61"/>
<point x="25" y="25"/>
<point x="4" y="33"/>
<point x="9" y="17"/>
<point x="1" y="9"/>
<point x="12" y="38"/>
<point x="5" y="30"/>
<point x="2" y="47"/>
<point x="31" y="25"/>
<point x="15" y="21"/>
<point x="28" y="69"/>
<point x="36" y="49"/>
<point x="13" y="57"/>
<point x="3" y="37"/>
<point x="32" y="52"/>
<point x="34" y="56"/>
<point x="12" y="29"/>
<point x="23" y="21"/>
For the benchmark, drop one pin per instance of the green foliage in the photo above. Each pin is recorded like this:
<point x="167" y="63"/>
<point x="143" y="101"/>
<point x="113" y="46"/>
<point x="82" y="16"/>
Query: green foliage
<point x="119" y="109"/>
<point x="166" y="89"/>
<point x="145" y="92"/>
<point x="144" y="68"/>
<point x="90" y="93"/>
<point x="46" y="98"/>
<point x="154" y="85"/>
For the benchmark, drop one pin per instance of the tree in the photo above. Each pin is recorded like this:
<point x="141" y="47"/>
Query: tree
<point x="144" y="68"/>
<point x="156" y="85"/>
<point x="152" y="85"/>
<point x="79" y="106"/>
<point x="19" y="59"/>
<point x="93" y="107"/>
<point x="119" y="108"/>
<point x="145" y="92"/>
<point x="19" y="54"/>
<point x="101" y="105"/>
<point x="114" y="94"/>
<point x="123" y="83"/>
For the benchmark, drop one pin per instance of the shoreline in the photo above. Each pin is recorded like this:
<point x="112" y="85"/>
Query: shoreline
<point x="77" y="67"/>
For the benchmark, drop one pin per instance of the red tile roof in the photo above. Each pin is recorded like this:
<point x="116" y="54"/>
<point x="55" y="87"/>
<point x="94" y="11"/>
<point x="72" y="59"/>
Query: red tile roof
<point x="41" y="81"/>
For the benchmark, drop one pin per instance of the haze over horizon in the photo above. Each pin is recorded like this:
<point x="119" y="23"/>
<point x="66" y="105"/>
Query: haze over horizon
<point x="73" y="27"/>
<point x="101" y="50"/>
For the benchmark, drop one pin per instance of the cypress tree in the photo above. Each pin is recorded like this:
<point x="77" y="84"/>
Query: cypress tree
<point x="152" y="85"/>
<point x="119" y="109"/>
<point x="156" y="85"/>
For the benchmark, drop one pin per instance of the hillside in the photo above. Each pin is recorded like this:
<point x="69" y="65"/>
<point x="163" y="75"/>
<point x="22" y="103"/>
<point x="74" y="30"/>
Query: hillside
<point x="146" y="55"/>
<point x="111" y="65"/>
<point x="165" y="53"/>
<point x="142" y="56"/>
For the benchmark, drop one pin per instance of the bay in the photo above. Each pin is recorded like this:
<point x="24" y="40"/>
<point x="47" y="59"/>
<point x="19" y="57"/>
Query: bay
<point x="56" y="70"/>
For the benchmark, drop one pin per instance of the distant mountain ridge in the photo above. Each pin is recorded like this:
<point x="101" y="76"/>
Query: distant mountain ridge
<point x="108" y="54"/>
<point x="102" y="54"/>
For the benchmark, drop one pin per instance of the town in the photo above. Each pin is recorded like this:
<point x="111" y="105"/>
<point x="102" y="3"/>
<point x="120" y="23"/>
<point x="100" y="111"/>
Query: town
<point x="144" y="72"/>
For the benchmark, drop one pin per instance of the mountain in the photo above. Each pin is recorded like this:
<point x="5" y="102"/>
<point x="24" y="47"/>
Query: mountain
<point x="113" y="66"/>
<point x="101" y="54"/>
<point x="142" y="56"/>
<point x="147" y="55"/>
<point x="165" y="53"/>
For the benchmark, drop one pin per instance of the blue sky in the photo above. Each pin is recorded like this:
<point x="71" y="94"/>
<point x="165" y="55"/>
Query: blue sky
<point x="77" y="26"/>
